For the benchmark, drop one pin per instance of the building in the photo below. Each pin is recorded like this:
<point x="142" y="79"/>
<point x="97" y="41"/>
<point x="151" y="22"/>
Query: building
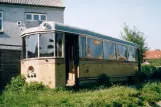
<point x="152" y="54"/>
<point x="17" y="15"/>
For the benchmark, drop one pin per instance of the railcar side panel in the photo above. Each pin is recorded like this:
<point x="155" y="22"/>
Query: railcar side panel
<point x="60" y="74"/>
<point x="91" y="70"/>
<point x="49" y="71"/>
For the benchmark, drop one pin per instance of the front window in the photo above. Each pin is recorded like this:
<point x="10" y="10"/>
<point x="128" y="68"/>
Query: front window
<point x="58" y="44"/>
<point x="43" y="45"/>
<point x="46" y="47"/>
<point x="1" y="20"/>
<point x="32" y="46"/>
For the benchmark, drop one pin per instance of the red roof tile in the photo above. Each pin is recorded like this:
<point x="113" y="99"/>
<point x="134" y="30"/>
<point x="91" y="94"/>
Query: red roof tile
<point x="153" y="54"/>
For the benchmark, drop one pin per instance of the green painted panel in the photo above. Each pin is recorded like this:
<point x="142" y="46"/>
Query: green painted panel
<point x="65" y="28"/>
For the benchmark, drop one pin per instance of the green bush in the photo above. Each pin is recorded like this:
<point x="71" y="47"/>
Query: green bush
<point x="16" y="83"/>
<point x="34" y="86"/>
<point x="103" y="79"/>
<point x="156" y="75"/>
<point x="148" y="70"/>
<point x="151" y="92"/>
<point x="139" y="77"/>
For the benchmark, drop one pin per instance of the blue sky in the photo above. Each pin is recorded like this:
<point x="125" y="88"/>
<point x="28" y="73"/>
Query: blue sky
<point x="108" y="17"/>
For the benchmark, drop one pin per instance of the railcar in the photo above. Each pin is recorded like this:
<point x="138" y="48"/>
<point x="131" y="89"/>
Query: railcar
<point x="61" y="55"/>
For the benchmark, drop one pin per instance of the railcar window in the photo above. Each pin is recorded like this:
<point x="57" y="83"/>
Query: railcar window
<point x="95" y="48"/>
<point x="58" y="44"/>
<point x="131" y="54"/>
<point x="46" y="45"/>
<point x="24" y="47"/>
<point x="109" y="51"/>
<point x="121" y="51"/>
<point x="82" y="47"/>
<point x="136" y="54"/>
<point x="32" y="46"/>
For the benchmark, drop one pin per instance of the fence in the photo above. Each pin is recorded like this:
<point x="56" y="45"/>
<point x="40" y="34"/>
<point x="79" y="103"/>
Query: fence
<point x="10" y="56"/>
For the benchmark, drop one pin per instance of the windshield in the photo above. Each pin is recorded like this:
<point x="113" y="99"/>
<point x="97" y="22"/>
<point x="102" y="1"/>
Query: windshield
<point x="47" y="45"/>
<point x="32" y="46"/>
<point x="50" y="45"/>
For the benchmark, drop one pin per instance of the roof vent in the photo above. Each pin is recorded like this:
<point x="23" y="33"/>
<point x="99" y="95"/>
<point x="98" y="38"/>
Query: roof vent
<point x="46" y="26"/>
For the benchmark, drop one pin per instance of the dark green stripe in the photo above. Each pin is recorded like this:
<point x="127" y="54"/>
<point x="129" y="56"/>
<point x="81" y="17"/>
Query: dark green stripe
<point x="61" y="27"/>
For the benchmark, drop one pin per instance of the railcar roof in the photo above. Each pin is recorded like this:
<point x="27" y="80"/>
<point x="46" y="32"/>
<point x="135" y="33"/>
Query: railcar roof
<point x="62" y="27"/>
<point x="76" y="30"/>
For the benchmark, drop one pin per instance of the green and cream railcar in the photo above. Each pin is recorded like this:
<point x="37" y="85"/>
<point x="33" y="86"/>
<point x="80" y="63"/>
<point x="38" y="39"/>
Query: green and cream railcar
<point x="60" y="55"/>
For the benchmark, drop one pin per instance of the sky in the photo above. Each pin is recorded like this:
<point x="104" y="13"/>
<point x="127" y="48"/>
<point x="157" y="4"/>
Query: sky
<point x="108" y="17"/>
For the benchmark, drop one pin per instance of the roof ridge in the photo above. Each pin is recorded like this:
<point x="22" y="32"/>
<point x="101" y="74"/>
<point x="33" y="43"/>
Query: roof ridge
<point x="45" y="3"/>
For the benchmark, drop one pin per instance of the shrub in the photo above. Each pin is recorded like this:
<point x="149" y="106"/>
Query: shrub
<point x="156" y="74"/>
<point x="103" y="79"/>
<point x="140" y="76"/>
<point x="16" y="83"/>
<point x="146" y="73"/>
<point x="148" y="70"/>
<point x="151" y="92"/>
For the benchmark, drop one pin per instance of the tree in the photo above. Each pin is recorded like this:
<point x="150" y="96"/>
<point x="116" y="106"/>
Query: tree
<point x="135" y="36"/>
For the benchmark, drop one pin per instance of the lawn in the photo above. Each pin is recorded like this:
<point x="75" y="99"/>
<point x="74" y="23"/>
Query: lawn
<point x="20" y="94"/>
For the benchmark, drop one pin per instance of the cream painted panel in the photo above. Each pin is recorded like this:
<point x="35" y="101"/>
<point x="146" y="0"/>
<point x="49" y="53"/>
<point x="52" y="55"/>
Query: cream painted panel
<point x="110" y="69"/>
<point x="44" y="70"/>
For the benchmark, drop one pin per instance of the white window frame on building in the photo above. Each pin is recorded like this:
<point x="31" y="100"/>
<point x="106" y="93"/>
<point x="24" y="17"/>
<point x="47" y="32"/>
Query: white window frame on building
<point x="1" y="18"/>
<point x="32" y="15"/>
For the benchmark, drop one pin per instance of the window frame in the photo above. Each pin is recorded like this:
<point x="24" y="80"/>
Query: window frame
<point x="1" y="18"/>
<point x="32" y="16"/>
<point x="53" y="36"/>
<point x="63" y="37"/>
<point x="135" y="53"/>
<point x="110" y="41"/>
<point x="98" y="39"/>
<point x="27" y="56"/>
<point x="80" y="44"/>
<point x="126" y="46"/>
<point x="114" y="43"/>
<point x="38" y="35"/>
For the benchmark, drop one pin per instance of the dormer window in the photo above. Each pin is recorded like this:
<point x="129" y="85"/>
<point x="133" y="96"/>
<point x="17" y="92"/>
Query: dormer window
<point x="1" y="21"/>
<point x="35" y="17"/>
<point x="28" y="17"/>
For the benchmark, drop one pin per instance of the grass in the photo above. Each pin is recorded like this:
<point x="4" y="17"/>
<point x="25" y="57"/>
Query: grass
<point x="20" y="94"/>
<point x="84" y="98"/>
